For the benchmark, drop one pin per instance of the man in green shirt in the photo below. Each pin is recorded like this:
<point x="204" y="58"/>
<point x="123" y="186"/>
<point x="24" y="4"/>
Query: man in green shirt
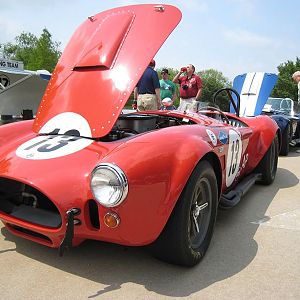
<point x="167" y="87"/>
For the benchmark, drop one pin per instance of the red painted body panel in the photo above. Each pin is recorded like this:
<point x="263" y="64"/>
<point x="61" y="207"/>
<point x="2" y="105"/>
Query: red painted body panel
<point x="157" y="163"/>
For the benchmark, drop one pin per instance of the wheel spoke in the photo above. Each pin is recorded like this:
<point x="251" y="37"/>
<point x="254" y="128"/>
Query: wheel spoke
<point x="195" y="215"/>
<point x="196" y="223"/>
<point x="197" y="193"/>
<point x="200" y="212"/>
<point x="203" y="206"/>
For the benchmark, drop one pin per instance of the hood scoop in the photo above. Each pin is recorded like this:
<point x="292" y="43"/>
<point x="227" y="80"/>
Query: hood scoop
<point x="105" y="42"/>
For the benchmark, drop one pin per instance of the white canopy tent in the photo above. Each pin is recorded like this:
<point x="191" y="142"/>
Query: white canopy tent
<point x="21" y="90"/>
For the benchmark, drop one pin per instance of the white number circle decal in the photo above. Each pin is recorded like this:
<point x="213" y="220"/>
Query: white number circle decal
<point x="62" y="136"/>
<point x="65" y="122"/>
<point x="233" y="157"/>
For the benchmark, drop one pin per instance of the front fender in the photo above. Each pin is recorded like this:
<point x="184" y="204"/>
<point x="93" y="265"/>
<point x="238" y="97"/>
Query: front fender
<point x="158" y="166"/>
<point x="14" y="131"/>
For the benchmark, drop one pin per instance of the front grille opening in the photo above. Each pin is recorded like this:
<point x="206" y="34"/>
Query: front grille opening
<point x="29" y="233"/>
<point x="27" y="203"/>
<point x="94" y="213"/>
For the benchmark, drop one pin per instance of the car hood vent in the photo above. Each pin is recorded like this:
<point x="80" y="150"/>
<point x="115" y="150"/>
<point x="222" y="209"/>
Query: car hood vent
<point x="102" y="48"/>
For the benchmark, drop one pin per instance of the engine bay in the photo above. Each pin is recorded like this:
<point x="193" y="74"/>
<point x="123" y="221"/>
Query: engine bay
<point x="128" y="125"/>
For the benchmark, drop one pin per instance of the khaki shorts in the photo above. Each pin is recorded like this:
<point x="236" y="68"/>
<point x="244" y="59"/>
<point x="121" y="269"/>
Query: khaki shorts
<point x="190" y="104"/>
<point x="146" y="102"/>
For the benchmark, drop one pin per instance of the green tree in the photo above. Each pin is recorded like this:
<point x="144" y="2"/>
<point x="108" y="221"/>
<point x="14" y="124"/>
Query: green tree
<point x="212" y="81"/>
<point x="285" y="87"/>
<point x="36" y="53"/>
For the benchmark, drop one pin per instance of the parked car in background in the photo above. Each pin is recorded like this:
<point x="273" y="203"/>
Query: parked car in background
<point x="255" y="89"/>
<point x="282" y="111"/>
<point x="280" y="106"/>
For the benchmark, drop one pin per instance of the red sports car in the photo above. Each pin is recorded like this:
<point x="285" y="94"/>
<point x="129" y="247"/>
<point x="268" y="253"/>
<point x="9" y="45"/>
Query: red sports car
<point x="83" y="170"/>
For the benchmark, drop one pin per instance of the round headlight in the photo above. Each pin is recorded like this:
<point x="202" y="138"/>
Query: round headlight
<point x="109" y="184"/>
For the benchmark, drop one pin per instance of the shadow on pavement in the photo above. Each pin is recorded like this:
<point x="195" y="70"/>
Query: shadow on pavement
<point x="232" y="249"/>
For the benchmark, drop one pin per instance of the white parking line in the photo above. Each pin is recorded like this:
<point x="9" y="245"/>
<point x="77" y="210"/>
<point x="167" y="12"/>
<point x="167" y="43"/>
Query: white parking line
<point x="288" y="220"/>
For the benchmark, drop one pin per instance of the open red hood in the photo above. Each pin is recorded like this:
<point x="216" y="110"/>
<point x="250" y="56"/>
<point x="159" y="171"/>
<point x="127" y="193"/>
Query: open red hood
<point x="102" y="64"/>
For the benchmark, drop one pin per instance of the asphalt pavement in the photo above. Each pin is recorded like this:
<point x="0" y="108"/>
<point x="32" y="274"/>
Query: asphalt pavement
<point x="254" y="254"/>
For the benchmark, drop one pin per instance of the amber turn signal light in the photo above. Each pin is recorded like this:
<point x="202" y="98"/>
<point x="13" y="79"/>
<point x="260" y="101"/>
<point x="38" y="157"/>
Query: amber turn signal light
<point x="111" y="220"/>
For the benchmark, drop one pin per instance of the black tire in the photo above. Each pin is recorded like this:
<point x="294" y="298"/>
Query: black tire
<point x="268" y="165"/>
<point x="285" y="141"/>
<point x="189" y="229"/>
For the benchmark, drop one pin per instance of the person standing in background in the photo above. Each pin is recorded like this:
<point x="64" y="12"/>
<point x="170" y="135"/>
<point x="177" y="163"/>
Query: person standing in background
<point x="147" y="91"/>
<point x="167" y="87"/>
<point x="296" y="138"/>
<point x="296" y="78"/>
<point x="190" y="88"/>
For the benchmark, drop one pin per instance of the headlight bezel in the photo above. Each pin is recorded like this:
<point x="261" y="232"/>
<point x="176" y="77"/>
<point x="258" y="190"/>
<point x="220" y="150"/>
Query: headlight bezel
<point x="119" y="175"/>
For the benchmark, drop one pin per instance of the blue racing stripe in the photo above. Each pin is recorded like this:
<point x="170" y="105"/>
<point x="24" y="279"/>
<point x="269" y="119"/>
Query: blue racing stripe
<point x="267" y="86"/>
<point x="238" y="83"/>
<point x="256" y="93"/>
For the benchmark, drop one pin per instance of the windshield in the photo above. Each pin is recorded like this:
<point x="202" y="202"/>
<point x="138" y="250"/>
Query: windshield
<point x="282" y="104"/>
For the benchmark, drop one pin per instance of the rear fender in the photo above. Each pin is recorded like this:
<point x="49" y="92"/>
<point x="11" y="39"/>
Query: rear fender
<point x="264" y="131"/>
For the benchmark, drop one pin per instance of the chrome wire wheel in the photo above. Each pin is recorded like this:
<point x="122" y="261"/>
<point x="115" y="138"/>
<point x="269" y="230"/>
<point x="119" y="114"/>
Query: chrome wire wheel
<point x="200" y="214"/>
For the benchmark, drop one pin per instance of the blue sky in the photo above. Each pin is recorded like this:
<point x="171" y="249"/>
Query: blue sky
<point x="231" y="36"/>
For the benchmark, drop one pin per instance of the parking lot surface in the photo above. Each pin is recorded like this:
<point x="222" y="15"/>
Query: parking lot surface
<point x="254" y="254"/>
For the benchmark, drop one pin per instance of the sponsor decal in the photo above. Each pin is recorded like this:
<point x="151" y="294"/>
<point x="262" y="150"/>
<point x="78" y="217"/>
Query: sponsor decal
<point x="223" y="137"/>
<point x="212" y="137"/>
<point x="62" y="135"/>
<point x="234" y="156"/>
<point x="243" y="164"/>
<point x="245" y="160"/>
<point x="13" y="64"/>
<point x="221" y="149"/>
